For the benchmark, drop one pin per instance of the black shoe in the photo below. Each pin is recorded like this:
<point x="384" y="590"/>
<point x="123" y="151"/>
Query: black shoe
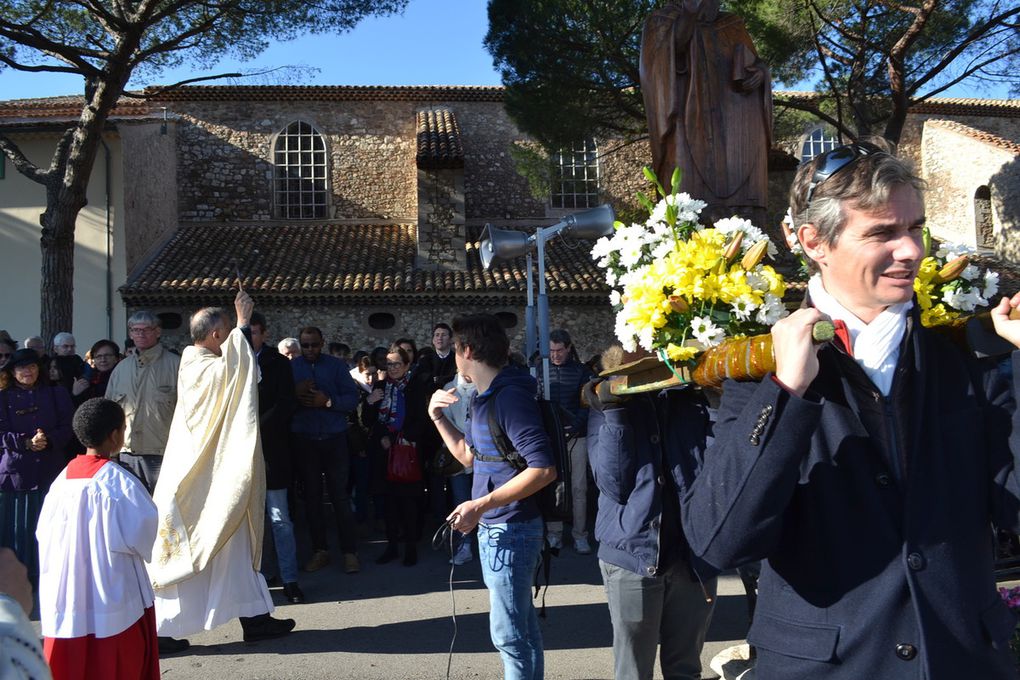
<point x="265" y="627"/>
<point x="274" y="582"/>
<point x="410" y="555"/>
<point x="293" y="593"/>
<point x="388" y="555"/>
<point x="168" y="645"/>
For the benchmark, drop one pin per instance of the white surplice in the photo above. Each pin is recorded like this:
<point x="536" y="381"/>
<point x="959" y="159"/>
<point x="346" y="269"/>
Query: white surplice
<point x="211" y="496"/>
<point x="94" y="534"/>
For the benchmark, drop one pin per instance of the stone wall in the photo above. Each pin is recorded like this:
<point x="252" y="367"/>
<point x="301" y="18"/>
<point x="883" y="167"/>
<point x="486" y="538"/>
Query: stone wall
<point x="493" y="189"/>
<point x="441" y="232"/>
<point x="621" y="178"/>
<point x="956" y="195"/>
<point x="225" y="158"/>
<point x="150" y="207"/>
<point x="590" y="326"/>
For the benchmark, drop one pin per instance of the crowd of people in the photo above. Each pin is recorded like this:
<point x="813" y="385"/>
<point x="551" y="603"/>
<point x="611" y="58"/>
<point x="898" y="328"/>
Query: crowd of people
<point x="864" y="473"/>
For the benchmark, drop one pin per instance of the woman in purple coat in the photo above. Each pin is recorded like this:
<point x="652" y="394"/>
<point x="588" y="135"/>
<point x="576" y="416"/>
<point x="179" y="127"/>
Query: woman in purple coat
<point x="35" y="429"/>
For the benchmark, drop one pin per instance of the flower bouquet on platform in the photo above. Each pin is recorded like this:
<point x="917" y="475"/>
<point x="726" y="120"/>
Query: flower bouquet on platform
<point x="680" y="288"/>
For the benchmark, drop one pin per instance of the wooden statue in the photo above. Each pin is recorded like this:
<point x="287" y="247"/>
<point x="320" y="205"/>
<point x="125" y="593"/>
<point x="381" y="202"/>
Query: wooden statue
<point x="708" y="98"/>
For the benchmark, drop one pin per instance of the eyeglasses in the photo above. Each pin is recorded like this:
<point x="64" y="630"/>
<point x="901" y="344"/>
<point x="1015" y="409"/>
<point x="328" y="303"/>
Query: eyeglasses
<point x="310" y="345"/>
<point x="142" y="331"/>
<point x="831" y="162"/>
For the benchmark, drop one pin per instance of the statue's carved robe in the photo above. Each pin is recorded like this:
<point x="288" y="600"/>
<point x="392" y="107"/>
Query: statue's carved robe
<point x="706" y="115"/>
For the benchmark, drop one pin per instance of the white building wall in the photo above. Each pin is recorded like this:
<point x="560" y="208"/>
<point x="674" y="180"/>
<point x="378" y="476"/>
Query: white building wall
<point x="21" y="203"/>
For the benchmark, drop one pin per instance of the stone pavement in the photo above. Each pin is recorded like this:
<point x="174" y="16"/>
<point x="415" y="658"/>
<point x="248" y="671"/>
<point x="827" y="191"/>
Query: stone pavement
<point x="395" y="622"/>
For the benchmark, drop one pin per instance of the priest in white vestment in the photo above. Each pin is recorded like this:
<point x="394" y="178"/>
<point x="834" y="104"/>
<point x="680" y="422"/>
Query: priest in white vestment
<point x="211" y="491"/>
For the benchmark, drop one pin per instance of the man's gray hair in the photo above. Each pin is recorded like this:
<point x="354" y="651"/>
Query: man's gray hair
<point x="61" y="338"/>
<point x="205" y="321"/>
<point x="289" y="343"/>
<point x="144" y="318"/>
<point x="864" y="185"/>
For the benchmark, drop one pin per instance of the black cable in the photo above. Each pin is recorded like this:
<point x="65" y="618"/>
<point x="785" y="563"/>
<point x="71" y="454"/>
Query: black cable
<point x="443" y="535"/>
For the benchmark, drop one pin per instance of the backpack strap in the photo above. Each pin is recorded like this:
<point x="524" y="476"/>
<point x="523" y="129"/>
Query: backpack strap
<point x="507" y="451"/>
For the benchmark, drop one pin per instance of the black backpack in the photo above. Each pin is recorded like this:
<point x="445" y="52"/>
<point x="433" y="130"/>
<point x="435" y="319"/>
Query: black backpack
<point x="554" y="500"/>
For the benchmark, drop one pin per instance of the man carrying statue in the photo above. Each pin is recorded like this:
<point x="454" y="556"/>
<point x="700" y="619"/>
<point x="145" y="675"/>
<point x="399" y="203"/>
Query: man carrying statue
<point x="212" y="490"/>
<point x="867" y="471"/>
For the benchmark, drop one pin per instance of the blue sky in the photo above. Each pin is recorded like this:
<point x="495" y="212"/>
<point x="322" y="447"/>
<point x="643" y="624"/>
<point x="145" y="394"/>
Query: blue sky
<point x="434" y="42"/>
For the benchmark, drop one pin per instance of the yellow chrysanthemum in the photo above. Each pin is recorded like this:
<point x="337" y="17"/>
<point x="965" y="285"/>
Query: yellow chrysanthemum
<point x="680" y="353"/>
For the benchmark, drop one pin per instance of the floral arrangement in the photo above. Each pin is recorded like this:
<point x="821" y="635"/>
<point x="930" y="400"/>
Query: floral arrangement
<point x="949" y="286"/>
<point x="1011" y="596"/>
<point x="678" y="287"/>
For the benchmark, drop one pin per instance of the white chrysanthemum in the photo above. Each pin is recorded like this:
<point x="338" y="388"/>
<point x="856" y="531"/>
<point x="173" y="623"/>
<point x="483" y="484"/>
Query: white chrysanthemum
<point x="964" y="301"/>
<point x="662" y="250"/>
<point x="687" y="208"/>
<point x="614" y="297"/>
<point x="630" y="254"/>
<point x="706" y="332"/>
<point x="743" y="307"/>
<point x="601" y="250"/>
<point x="970" y="273"/>
<point x="991" y="285"/>
<point x="752" y="234"/>
<point x="646" y="338"/>
<point x="611" y="278"/>
<point x="771" y="310"/>
<point x="951" y="251"/>
<point x="756" y="281"/>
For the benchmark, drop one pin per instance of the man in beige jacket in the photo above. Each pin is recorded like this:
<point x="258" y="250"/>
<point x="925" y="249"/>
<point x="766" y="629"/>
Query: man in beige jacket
<point x="145" y="386"/>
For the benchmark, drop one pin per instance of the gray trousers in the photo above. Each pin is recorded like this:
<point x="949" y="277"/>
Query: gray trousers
<point x="145" y="468"/>
<point x="668" y="610"/>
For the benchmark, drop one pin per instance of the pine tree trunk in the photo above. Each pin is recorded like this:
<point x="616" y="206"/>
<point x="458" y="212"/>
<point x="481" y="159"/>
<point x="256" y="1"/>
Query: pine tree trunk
<point x="56" y="302"/>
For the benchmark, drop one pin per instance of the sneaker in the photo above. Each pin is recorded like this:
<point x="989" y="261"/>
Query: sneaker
<point x="582" y="546"/>
<point x="320" y="558"/>
<point x="293" y="593"/>
<point x="555" y="542"/>
<point x="169" y="645"/>
<point x="351" y="563"/>
<point x="463" y="554"/>
<point x="265" y="627"/>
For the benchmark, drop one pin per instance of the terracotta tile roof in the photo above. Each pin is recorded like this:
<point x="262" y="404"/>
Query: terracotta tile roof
<point x="438" y="140"/>
<point x="950" y="106"/>
<point x="344" y="264"/>
<point x="69" y="106"/>
<point x="423" y="93"/>
<point x="980" y="135"/>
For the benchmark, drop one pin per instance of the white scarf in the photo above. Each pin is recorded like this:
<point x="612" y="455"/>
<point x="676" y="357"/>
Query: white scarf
<point x="876" y="345"/>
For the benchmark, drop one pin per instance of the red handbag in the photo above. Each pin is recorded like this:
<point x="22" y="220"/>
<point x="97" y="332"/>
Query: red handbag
<point x="402" y="464"/>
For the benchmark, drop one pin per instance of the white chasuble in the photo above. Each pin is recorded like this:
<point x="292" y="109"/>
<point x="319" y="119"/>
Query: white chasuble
<point x="211" y="495"/>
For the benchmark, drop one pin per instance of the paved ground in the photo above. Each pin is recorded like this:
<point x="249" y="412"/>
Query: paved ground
<point x="395" y="622"/>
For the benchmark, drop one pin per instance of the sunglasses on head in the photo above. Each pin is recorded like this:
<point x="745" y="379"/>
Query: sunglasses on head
<point x="832" y="162"/>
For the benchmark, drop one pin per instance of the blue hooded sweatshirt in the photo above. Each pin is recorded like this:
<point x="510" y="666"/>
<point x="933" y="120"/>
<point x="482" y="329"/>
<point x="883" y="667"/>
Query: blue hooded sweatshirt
<point x="513" y="395"/>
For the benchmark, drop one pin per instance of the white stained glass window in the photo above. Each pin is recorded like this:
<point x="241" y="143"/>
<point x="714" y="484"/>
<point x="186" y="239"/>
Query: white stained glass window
<point x="818" y="141"/>
<point x="576" y="177"/>
<point x="299" y="177"/>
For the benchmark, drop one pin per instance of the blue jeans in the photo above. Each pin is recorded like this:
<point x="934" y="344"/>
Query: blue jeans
<point x="283" y="534"/>
<point x="509" y="554"/>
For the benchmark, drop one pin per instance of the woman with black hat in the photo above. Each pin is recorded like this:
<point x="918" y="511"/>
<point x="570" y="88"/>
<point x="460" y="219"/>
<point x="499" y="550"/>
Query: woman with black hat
<point x="35" y="429"/>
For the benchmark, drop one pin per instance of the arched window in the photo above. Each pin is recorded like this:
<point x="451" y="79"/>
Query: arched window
<point x="575" y="176"/>
<point x="816" y="142"/>
<point x="299" y="176"/>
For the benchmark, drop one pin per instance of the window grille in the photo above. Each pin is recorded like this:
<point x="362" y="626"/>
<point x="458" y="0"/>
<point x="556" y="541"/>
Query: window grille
<point x="576" y="176"/>
<point x="818" y="141"/>
<point x="299" y="177"/>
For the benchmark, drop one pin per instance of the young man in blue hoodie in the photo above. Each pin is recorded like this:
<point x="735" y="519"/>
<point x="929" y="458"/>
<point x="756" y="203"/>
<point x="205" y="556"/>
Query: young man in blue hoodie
<point x="502" y="504"/>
